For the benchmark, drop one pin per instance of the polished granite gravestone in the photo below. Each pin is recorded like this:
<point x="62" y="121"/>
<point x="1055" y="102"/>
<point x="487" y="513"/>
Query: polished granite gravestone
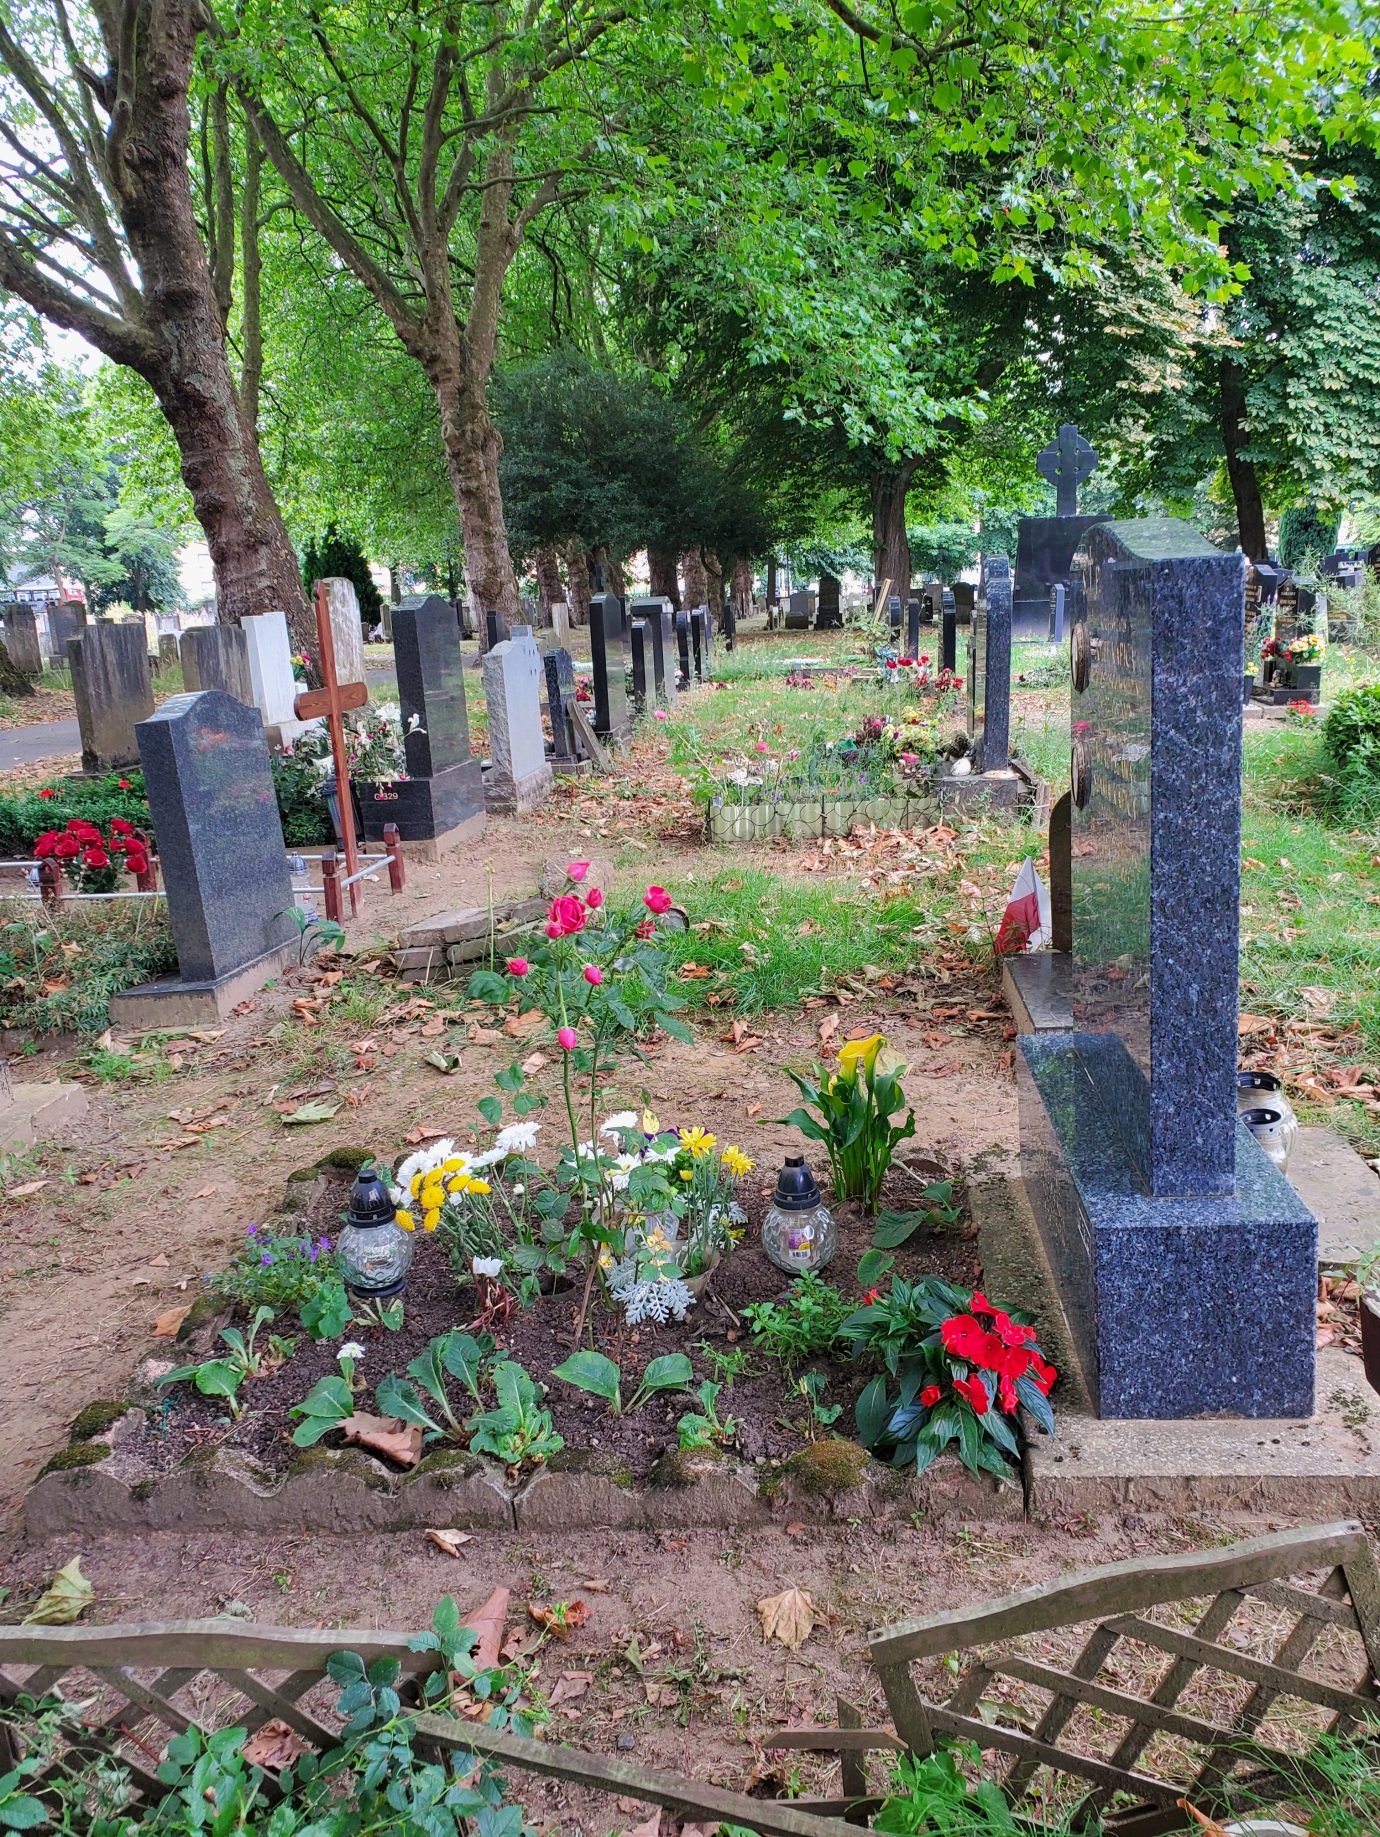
<point x="948" y="640"/>
<point x="22" y="639"/>
<point x="558" y="668"/>
<point x="272" y="684"/>
<point x="612" y="716"/>
<point x="730" y="625"/>
<point x="639" y="636"/>
<point x="659" y="616"/>
<point x="913" y="609"/>
<point x="112" y="686"/>
<point x="989" y="668"/>
<point x="965" y="597"/>
<point x="683" y="648"/>
<point x="521" y="777"/>
<point x="893" y="612"/>
<point x="221" y="856"/>
<point x="495" y="630"/>
<point x="1057" y="607"/>
<point x="1186" y="1263"/>
<point x="797" y="616"/>
<point x="217" y="657"/>
<point x="829" y="612"/>
<point x="441" y="801"/>
<point x="701" y="642"/>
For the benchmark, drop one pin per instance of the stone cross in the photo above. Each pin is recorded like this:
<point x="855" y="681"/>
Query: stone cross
<point x="113" y="689"/>
<point x="1066" y="462"/>
<point x="333" y="701"/>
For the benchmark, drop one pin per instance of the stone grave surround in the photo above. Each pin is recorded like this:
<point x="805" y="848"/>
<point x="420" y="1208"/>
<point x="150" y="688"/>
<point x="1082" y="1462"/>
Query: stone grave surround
<point x="222" y="859"/>
<point x="217" y="657"/>
<point x="440" y="803"/>
<point x="521" y="779"/>
<point x="1186" y="1263"/>
<point x="271" y="681"/>
<point x="612" y="716"/>
<point x="113" y="689"/>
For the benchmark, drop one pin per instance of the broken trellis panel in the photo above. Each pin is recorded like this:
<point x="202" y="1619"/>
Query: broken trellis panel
<point x="158" y="1681"/>
<point x="1220" y="1760"/>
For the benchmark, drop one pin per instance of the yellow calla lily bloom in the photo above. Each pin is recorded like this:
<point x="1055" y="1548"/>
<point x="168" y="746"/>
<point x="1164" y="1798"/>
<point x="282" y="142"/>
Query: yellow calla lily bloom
<point x="860" y="1055"/>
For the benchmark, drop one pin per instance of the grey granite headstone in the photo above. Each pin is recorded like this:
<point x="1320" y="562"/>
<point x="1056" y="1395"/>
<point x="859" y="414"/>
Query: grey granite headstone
<point x="989" y="668"/>
<point x="612" y="717"/>
<point x="639" y="634"/>
<point x="683" y="647"/>
<point x="217" y="657"/>
<point x="22" y="639"/>
<point x="442" y="797"/>
<point x="517" y="747"/>
<point x="559" y="671"/>
<point x="1145" y="1186"/>
<point x="113" y="689"/>
<point x="495" y="629"/>
<point x="948" y="640"/>
<point x="221" y="854"/>
<point x="730" y="625"/>
<point x="798" y="611"/>
<point x="965" y="597"/>
<point x="659" y="617"/>
<point x="1061" y="874"/>
<point x="829" y="613"/>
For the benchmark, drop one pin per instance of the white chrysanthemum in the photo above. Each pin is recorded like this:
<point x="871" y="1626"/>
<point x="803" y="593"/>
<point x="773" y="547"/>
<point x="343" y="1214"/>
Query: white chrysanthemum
<point x="474" y="1163"/>
<point x="350" y="1350"/>
<point x="487" y="1266"/>
<point x="517" y="1138"/>
<point x="614" y="1125"/>
<point x="622" y="1166"/>
<point x="425" y="1159"/>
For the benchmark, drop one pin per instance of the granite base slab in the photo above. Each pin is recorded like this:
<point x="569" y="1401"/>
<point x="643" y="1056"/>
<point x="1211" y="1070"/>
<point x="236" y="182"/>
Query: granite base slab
<point x="1179" y="1306"/>
<point x="1341" y="1190"/>
<point x="1038" y="987"/>
<point x="425" y="809"/>
<point x="511" y="798"/>
<point x="171" y="1001"/>
<point x="35" y="1110"/>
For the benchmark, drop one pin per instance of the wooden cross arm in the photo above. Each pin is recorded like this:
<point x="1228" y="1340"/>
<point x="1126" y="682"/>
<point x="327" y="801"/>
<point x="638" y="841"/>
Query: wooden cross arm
<point x="314" y="702"/>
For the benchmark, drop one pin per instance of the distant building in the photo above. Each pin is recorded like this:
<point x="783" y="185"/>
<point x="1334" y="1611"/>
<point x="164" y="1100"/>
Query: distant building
<point x="39" y="590"/>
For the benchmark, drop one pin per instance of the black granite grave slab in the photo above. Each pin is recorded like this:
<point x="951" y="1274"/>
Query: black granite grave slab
<point x="828" y="609"/>
<point x="659" y="617"/>
<point x="1045" y="548"/>
<point x="797" y="614"/>
<point x="495" y="630"/>
<point x="696" y="645"/>
<point x="913" y="628"/>
<point x="965" y="597"/>
<point x="893" y="612"/>
<point x="427" y="809"/>
<point x="639" y="634"/>
<point x="112" y="686"/>
<point x="730" y="625"/>
<point x="612" y="716"/>
<point x="948" y="641"/>
<point x="989" y="669"/>
<point x="683" y="647"/>
<point x="430" y="670"/>
<point x="558" y="671"/>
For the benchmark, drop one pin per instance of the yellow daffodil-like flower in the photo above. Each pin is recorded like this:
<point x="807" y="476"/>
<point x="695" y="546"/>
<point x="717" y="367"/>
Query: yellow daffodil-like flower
<point x="860" y="1055"/>
<point x="698" y="1141"/>
<point x="736" y="1161"/>
<point x="431" y="1219"/>
<point x="405" y="1220"/>
<point x="605" y="1260"/>
<point x="452" y="1164"/>
<point x="480" y="1186"/>
<point x="650" y="1126"/>
<point x="415" y="1185"/>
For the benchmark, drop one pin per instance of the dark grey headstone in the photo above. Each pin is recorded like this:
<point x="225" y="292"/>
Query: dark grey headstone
<point x="639" y="634"/>
<point x="431" y="685"/>
<point x="989" y="668"/>
<point x="730" y="625"/>
<point x="965" y="597"/>
<point x="661" y="621"/>
<point x="948" y="640"/>
<point x="220" y="841"/>
<point x="798" y="611"/>
<point x="1056" y="612"/>
<point x="1045" y="547"/>
<point x="683" y="647"/>
<point x="495" y="630"/>
<point x="113" y="689"/>
<point x="828" y="609"/>
<point x="1061" y="874"/>
<point x="65" y="619"/>
<point x="22" y="639"/>
<point x="217" y="657"/>
<point x="612" y="718"/>
<point x="559" y="671"/>
<point x="913" y="628"/>
<point x="893" y="611"/>
<point x="1143" y="1181"/>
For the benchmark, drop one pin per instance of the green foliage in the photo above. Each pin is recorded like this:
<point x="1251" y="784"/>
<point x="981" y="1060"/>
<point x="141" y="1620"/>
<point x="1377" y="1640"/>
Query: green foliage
<point x="591" y="1371"/>
<point x="897" y="1228"/>
<point x="340" y="557"/>
<point x="804" y="1326"/>
<point x="27" y="814"/>
<point x="1304" y="531"/>
<point x="326" y="1313"/>
<point x="222" y="1377"/>
<point x="297" y="785"/>
<point x="112" y="945"/>
<point x="518" y="1431"/>
<point x="454" y="1354"/>
<point x="282" y="1269"/>
<point x="935" y="1797"/>
<point x="330" y="1402"/>
<point x="945" y="549"/>
<point x="705" y="1428"/>
<point x="855" y="1105"/>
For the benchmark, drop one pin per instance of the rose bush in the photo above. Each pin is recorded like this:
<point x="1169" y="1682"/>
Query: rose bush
<point x="94" y="862"/>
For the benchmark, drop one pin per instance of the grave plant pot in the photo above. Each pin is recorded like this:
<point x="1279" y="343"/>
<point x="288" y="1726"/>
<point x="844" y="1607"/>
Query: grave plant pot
<point x="1369" y="1310"/>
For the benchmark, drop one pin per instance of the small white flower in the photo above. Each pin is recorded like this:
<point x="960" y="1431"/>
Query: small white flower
<point x="613" y="1125"/>
<point x="519" y="1190"/>
<point x="350" y="1350"/>
<point x="517" y="1138"/>
<point x="487" y="1266"/>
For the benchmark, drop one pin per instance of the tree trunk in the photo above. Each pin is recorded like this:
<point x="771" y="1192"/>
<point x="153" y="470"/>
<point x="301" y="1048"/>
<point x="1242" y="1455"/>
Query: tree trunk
<point x="661" y="565"/>
<point x="696" y="578"/>
<point x="472" y="447"/>
<point x="614" y="577"/>
<point x="741" y="589"/>
<point x="577" y="573"/>
<point x="251" y="269"/>
<point x="1245" y="486"/>
<point x="548" y="569"/>
<point x="714" y="584"/>
<point x="890" y="544"/>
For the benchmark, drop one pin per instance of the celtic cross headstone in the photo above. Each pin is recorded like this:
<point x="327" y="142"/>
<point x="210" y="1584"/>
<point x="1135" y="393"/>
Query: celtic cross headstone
<point x="1066" y="462"/>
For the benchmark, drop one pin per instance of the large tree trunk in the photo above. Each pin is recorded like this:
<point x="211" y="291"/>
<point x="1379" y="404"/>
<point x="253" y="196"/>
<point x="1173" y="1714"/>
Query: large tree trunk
<point x="1245" y="486"/>
<point x="741" y="589"/>
<point x="890" y="544"/>
<point x="714" y="585"/>
<point x="547" y="564"/>
<point x="661" y="565"/>
<point x="472" y="446"/>
<point x="695" y="577"/>
<point x="614" y="577"/>
<point x="577" y="573"/>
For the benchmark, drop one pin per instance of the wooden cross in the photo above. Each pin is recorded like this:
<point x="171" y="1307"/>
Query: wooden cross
<point x="1066" y="462"/>
<point x="333" y="701"/>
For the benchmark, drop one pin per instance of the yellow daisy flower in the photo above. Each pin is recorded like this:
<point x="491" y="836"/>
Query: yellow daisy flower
<point x="460" y="1183"/>
<point x="687" y="1173"/>
<point x="698" y="1141"/>
<point x="431" y="1219"/>
<point x="452" y="1164"/>
<point x="415" y="1185"/>
<point x="736" y="1161"/>
<point x="480" y="1186"/>
<point x="405" y="1220"/>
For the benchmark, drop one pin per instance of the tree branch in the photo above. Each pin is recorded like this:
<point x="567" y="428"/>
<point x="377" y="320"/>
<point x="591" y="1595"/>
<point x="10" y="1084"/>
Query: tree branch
<point x="120" y="342"/>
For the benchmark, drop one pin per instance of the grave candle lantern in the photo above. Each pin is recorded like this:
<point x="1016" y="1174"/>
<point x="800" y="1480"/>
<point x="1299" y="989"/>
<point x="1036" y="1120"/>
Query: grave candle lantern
<point x="374" y="1253"/>
<point x="798" y="1232"/>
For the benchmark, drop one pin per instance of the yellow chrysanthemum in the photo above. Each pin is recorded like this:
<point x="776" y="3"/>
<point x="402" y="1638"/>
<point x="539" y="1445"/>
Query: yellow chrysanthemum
<point x="460" y="1183"/>
<point x="736" y="1161"/>
<point x="452" y="1164"/>
<point x="432" y="1187"/>
<point x="480" y="1186"/>
<point x="415" y="1185"/>
<point x="405" y="1220"/>
<point x="698" y="1141"/>
<point x="687" y="1173"/>
<point x="860" y="1055"/>
<point x="431" y="1219"/>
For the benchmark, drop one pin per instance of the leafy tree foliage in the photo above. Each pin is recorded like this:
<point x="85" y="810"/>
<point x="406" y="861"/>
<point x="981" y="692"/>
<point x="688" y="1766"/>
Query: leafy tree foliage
<point x="340" y="557"/>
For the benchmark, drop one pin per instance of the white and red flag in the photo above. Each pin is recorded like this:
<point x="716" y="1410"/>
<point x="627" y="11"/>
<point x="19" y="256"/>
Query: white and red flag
<point x="1026" y="924"/>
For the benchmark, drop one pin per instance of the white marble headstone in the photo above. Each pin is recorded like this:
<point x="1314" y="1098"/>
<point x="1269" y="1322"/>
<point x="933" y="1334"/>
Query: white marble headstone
<point x="270" y="672"/>
<point x="512" y="691"/>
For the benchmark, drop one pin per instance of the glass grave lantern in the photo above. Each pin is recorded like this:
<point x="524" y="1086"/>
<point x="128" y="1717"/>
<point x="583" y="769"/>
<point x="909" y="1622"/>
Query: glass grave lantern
<point x="798" y="1232"/>
<point x="374" y="1253"/>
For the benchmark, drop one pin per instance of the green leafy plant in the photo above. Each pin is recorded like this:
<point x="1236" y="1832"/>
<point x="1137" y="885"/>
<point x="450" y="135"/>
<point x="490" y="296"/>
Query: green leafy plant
<point x="222" y="1377"/>
<point x="385" y="1314"/>
<point x="314" y="934"/>
<point x="804" y="1326"/>
<point x="326" y="1313"/>
<point x="60" y="966"/>
<point x="707" y="1429"/>
<point x="819" y="1414"/>
<point x="961" y="1368"/>
<point x="455" y="1354"/>
<point x="330" y="1402"/>
<point x="934" y="1797"/>
<point x="591" y="1371"/>
<point x="896" y="1228"/>
<point x="277" y="1270"/>
<point x="726" y="1364"/>
<point x="518" y="1431"/>
<point x="856" y="1104"/>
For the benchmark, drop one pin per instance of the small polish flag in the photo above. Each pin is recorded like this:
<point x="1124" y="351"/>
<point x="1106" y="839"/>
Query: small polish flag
<point x="1027" y="921"/>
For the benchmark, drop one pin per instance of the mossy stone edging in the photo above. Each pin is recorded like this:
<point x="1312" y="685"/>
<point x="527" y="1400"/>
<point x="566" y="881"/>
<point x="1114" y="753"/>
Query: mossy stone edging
<point x="809" y="819"/>
<point x="347" y="1490"/>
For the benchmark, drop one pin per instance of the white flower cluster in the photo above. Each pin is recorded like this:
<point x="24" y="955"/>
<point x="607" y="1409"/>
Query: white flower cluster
<point x="427" y="1160"/>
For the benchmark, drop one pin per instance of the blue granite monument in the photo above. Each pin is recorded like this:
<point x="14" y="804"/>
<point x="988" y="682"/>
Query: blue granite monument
<point x="1186" y="1262"/>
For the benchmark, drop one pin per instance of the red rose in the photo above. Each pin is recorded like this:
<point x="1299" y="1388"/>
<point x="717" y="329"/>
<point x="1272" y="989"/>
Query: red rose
<point x="975" y="1391"/>
<point x="119" y="827"/>
<point x="657" y="899"/>
<point x="930" y="1396"/>
<point x="137" y="864"/>
<point x="46" y="843"/>
<point x="646" y="929"/>
<point x="594" y="899"/>
<point x="567" y="914"/>
<point x="67" y="848"/>
<point x="96" y="857"/>
<point x="47" y="791"/>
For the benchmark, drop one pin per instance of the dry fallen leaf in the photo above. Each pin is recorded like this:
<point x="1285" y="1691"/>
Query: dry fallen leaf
<point x="1253" y="1023"/>
<point x="661" y="1696"/>
<point x="595" y="1585"/>
<point x="166" y="1324"/>
<point x="570" y="1685"/>
<point x="64" y="1600"/>
<point x="788" y="1618"/>
<point x="794" y="1529"/>
<point x="449" y="1541"/>
<point x="753" y="1109"/>
<point x="532" y="1064"/>
<point x="274" y="1746"/>
<point x="158" y="1262"/>
<point x="29" y="1186"/>
<point x="650" y="1827"/>
<point x="401" y="1442"/>
<point x="207" y="1192"/>
<point x="828" y="1027"/>
<point x="487" y="1622"/>
<point x="561" y="1618"/>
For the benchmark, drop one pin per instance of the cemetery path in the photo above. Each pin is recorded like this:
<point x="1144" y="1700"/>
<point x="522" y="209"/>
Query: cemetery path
<point x="41" y="740"/>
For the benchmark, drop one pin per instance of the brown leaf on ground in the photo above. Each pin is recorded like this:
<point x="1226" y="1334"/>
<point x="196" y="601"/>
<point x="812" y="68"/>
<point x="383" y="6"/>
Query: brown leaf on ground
<point x="166" y="1324"/>
<point x="789" y="1618"/>
<point x="274" y="1746"/>
<point x="432" y="1028"/>
<point x="532" y="1064"/>
<point x="595" y="1585"/>
<point x="561" y="1617"/>
<point x="650" y="1827"/>
<point x="401" y="1442"/>
<point x="29" y="1186"/>
<point x="753" y="1109"/>
<point x="661" y="1696"/>
<point x="518" y="1645"/>
<point x="207" y="1192"/>
<point x="828" y="1027"/>
<point x="570" y="1686"/>
<point x="449" y="1541"/>
<point x="794" y="1529"/>
<point x="520" y="1025"/>
<point x="488" y="1622"/>
<point x="1253" y="1023"/>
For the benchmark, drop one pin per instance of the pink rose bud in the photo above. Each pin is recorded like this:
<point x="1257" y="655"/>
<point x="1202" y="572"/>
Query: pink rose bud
<point x="518" y="966"/>
<point x="657" y="899"/>
<point x="593" y="975"/>
<point x="578" y="869"/>
<point x="553" y="931"/>
<point x="594" y="899"/>
<point x="660" y="714"/>
<point x="761" y="746"/>
<point x="567" y="1038"/>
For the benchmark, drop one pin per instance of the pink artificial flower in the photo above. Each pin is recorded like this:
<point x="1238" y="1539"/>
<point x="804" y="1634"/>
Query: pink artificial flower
<point x="761" y="746"/>
<point x="910" y="758"/>
<point x="518" y="966"/>
<point x="657" y="899"/>
<point x="593" y="975"/>
<point x="578" y="869"/>
<point x="567" y="1038"/>
<point x="660" y="714"/>
<point x="594" y="899"/>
